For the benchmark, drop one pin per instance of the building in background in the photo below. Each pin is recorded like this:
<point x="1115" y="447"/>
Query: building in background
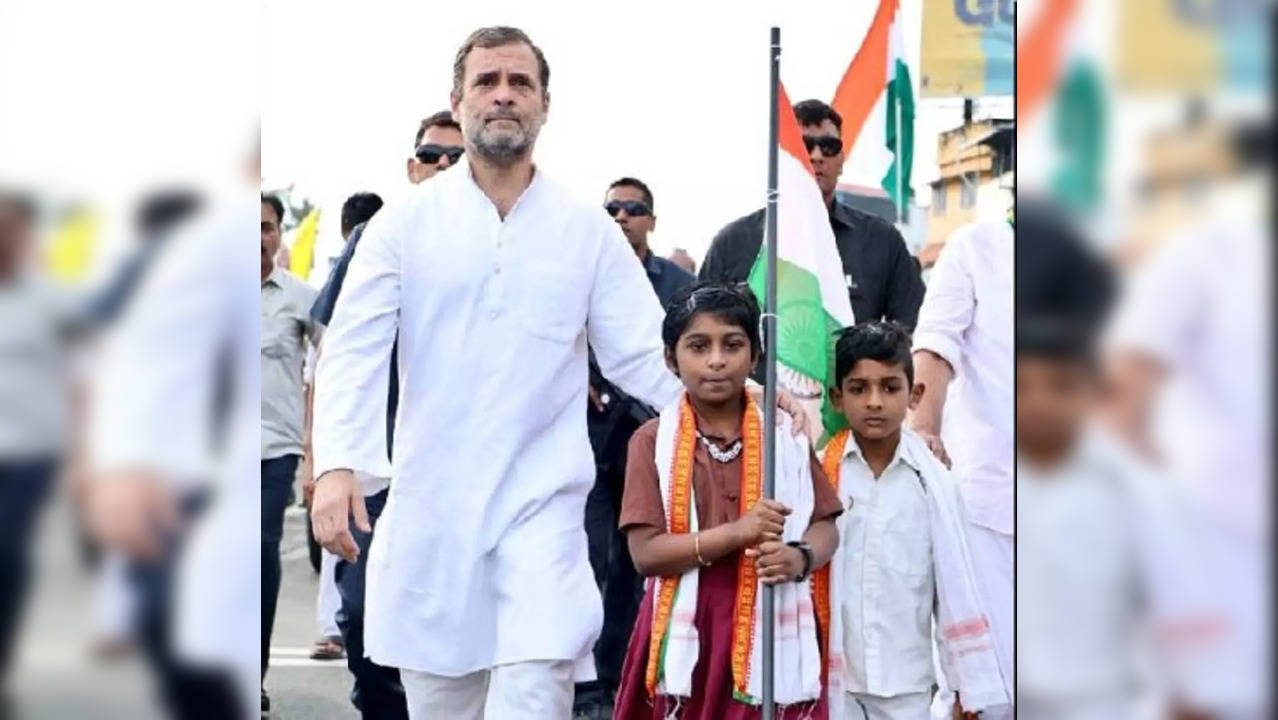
<point x="977" y="163"/>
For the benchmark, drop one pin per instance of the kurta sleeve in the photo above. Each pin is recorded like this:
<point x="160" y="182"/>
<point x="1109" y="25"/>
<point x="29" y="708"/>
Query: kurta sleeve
<point x="624" y="325"/>
<point x="354" y="368"/>
<point x="948" y="306"/>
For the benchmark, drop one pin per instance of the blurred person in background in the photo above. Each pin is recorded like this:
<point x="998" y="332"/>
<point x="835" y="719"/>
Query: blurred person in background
<point x="35" y="319"/>
<point x="882" y="277"/>
<point x="612" y="417"/>
<point x="287" y="329"/>
<point x="1109" y="610"/>
<point x="964" y="336"/>
<point x="1189" y="390"/>
<point x="437" y="146"/>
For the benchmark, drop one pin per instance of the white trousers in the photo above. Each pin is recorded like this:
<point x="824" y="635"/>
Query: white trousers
<point x="911" y="706"/>
<point x="328" y="601"/>
<point x="535" y="690"/>
<point x="994" y="558"/>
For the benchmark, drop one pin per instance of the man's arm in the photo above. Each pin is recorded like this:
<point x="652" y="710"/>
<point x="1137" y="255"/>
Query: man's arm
<point x="351" y="377"/>
<point x="624" y="326"/>
<point x="945" y="316"/>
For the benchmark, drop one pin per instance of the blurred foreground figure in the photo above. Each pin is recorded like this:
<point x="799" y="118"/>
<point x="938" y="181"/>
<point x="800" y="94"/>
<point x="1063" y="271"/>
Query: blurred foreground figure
<point x="1189" y="390"/>
<point x="1112" y="616"/>
<point x="173" y="435"/>
<point x="33" y="409"/>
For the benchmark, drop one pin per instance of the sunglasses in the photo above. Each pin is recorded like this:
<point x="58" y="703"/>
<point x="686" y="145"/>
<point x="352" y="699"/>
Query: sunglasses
<point x="431" y="153"/>
<point x="633" y="208"/>
<point x="830" y="145"/>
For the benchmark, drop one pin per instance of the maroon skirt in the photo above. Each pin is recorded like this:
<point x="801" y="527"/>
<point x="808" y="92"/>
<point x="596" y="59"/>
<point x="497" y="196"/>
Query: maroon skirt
<point x="712" y="677"/>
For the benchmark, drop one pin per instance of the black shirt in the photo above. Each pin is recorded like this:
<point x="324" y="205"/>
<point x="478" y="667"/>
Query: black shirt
<point x="882" y="277"/>
<point x="666" y="277"/>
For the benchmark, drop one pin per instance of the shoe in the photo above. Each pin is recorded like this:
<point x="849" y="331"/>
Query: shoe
<point x="266" y="705"/>
<point x="328" y="648"/>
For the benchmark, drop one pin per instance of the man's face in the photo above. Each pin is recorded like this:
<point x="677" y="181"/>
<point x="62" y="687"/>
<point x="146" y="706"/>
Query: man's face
<point x="437" y="140"/>
<point x="622" y="199"/>
<point x="15" y="237"/>
<point x="827" y="168"/>
<point x="874" y="397"/>
<point x="1053" y="399"/>
<point x="502" y="105"/>
<point x="270" y="237"/>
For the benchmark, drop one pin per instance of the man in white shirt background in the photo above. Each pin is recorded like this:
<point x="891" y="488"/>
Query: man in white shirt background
<point x="965" y="335"/>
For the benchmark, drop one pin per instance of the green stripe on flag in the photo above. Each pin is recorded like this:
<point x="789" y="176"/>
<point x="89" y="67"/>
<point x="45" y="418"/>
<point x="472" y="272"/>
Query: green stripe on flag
<point x="900" y="96"/>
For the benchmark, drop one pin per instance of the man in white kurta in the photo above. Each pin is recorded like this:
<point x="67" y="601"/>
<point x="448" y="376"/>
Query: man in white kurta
<point x="479" y="587"/>
<point x="965" y="333"/>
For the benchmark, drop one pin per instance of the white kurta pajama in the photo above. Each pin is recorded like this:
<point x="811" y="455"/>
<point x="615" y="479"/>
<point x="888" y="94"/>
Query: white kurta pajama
<point x="967" y="319"/>
<point x="479" y="559"/>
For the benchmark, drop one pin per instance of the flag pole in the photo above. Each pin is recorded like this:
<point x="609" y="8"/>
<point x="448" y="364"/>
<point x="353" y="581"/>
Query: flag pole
<point x="900" y="175"/>
<point x="770" y="361"/>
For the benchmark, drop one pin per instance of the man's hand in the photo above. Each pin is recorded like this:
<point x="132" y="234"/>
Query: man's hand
<point x="934" y="444"/>
<point x="787" y="404"/>
<point x="337" y="498"/>
<point x="131" y="511"/>
<point x="961" y="714"/>
<point x="777" y="562"/>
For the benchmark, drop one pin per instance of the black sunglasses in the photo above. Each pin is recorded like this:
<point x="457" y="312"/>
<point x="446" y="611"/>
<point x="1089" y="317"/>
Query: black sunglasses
<point x="431" y="153"/>
<point x="633" y="208"/>
<point x="830" y="145"/>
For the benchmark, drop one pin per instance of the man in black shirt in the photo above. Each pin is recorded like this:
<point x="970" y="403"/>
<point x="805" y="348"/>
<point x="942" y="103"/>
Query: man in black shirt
<point x="882" y="278"/>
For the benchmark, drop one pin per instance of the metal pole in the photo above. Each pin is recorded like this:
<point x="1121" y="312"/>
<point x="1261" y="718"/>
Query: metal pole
<point x="770" y="362"/>
<point x="900" y="174"/>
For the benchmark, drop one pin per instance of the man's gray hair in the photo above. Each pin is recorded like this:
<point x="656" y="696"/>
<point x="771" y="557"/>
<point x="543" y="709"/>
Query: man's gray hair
<point x="499" y="36"/>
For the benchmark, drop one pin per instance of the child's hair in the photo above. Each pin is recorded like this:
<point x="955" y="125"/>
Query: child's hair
<point x="886" y="342"/>
<point x="731" y="302"/>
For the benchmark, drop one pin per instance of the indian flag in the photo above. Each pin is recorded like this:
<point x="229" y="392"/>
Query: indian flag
<point x="812" y="299"/>
<point x="875" y="98"/>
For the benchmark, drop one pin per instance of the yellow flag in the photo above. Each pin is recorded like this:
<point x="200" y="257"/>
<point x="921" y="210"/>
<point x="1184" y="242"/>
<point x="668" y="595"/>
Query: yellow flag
<point x="302" y="254"/>
<point x="70" y="252"/>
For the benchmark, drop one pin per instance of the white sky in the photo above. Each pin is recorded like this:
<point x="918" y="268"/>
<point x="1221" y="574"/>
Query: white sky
<point x="674" y="93"/>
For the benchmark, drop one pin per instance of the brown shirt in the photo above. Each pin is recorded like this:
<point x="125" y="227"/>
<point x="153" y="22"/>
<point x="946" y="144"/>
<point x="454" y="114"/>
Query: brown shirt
<point x="716" y="486"/>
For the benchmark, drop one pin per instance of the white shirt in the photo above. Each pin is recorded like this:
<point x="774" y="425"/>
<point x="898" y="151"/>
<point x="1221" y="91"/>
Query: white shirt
<point x="967" y="319"/>
<point x="1199" y="307"/>
<point x="890" y="584"/>
<point x="480" y="556"/>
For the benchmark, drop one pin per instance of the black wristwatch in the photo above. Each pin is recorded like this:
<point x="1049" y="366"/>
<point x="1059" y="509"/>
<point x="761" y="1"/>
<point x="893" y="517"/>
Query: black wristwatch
<point x="806" y="549"/>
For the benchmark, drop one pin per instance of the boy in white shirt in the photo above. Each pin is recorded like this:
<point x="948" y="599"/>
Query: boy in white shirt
<point x="907" y="560"/>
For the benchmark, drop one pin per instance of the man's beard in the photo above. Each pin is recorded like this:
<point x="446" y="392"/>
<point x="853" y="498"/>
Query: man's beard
<point x="504" y="149"/>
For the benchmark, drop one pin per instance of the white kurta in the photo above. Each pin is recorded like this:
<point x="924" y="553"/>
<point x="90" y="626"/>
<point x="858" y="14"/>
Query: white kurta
<point x="967" y="318"/>
<point x="480" y="556"/>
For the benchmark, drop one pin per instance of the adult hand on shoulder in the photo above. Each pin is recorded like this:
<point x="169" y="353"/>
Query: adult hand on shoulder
<point x="338" y="497"/>
<point x="786" y="404"/>
<point x="933" y="440"/>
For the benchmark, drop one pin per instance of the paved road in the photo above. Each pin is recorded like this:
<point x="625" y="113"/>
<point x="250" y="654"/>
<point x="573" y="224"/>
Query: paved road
<point x="55" y="676"/>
